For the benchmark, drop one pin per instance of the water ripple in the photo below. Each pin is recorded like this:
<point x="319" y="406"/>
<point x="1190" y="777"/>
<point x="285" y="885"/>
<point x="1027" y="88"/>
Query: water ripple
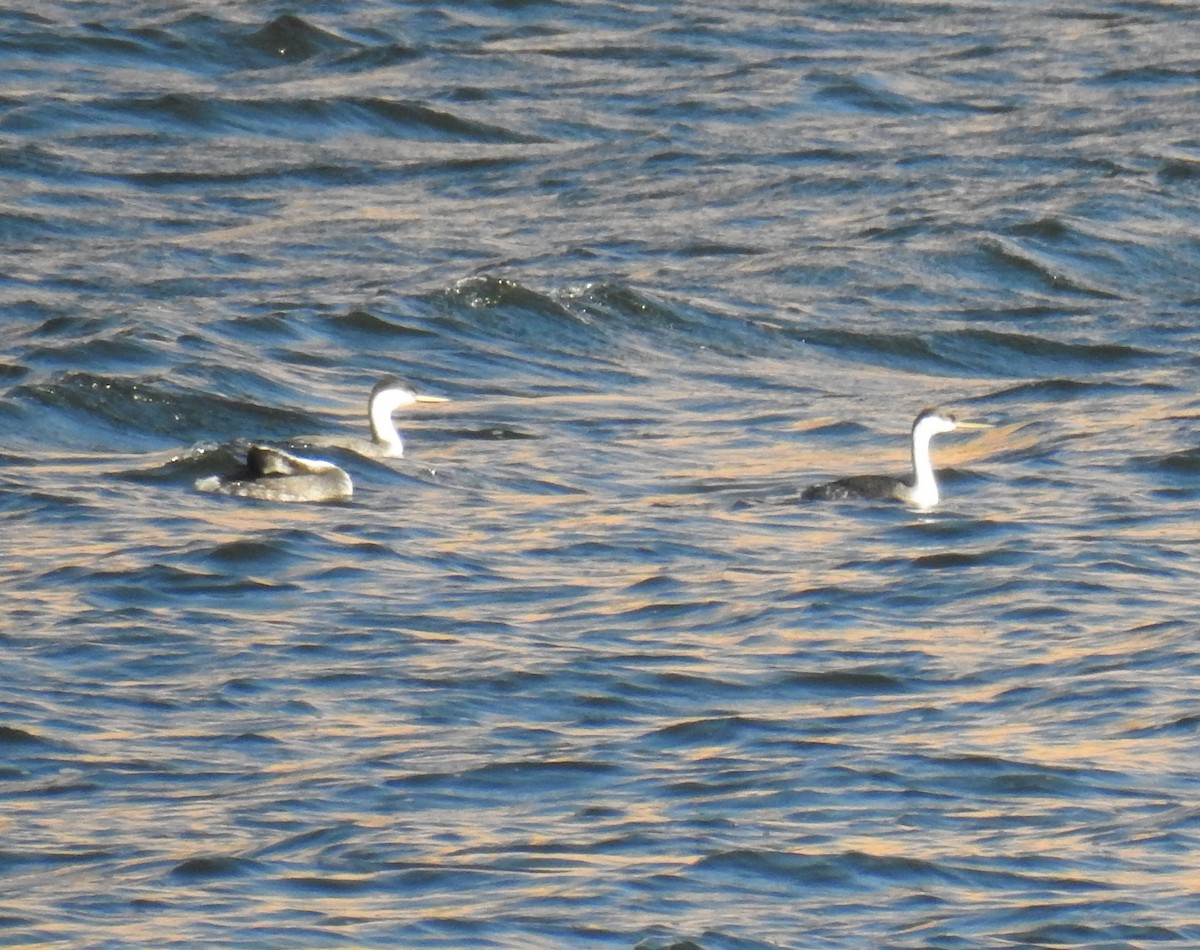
<point x="579" y="669"/>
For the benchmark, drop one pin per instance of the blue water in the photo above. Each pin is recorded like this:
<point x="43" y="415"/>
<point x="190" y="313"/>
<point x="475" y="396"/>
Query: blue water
<point x="580" y="670"/>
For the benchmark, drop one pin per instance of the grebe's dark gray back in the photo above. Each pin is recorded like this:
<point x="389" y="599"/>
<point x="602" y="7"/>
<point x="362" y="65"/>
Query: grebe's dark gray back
<point x="271" y="474"/>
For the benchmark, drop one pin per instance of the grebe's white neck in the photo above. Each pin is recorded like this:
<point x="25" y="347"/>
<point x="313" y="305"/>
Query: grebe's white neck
<point x="385" y="401"/>
<point x="920" y="489"/>
<point x="924" y="493"/>
<point x="931" y="422"/>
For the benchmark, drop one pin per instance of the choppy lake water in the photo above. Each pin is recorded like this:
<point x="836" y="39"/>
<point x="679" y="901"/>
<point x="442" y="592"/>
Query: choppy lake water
<point x="580" y="670"/>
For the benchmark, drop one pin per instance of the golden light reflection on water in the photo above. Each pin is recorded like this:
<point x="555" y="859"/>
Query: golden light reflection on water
<point x="758" y="580"/>
<point x="361" y="705"/>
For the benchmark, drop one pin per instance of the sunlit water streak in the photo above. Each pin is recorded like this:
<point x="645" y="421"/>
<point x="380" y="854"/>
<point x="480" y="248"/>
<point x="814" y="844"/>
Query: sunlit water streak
<point x="580" y="670"/>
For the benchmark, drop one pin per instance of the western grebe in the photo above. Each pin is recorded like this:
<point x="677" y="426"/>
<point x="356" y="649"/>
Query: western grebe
<point x="276" y="475"/>
<point x="272" y="474"/>
<point x="919" y="489"/>
<point x="390" y="394"/>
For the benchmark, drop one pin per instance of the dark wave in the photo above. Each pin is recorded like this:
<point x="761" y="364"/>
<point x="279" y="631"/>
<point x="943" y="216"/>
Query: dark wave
<point x="985" y="353"/>
<point x="303" y="118"/>
<point x="136" y="408"/>
<point x="290" y="39"/>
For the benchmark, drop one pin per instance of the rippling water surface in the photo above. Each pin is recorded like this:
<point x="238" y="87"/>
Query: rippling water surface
<point x="580" y="670"/>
